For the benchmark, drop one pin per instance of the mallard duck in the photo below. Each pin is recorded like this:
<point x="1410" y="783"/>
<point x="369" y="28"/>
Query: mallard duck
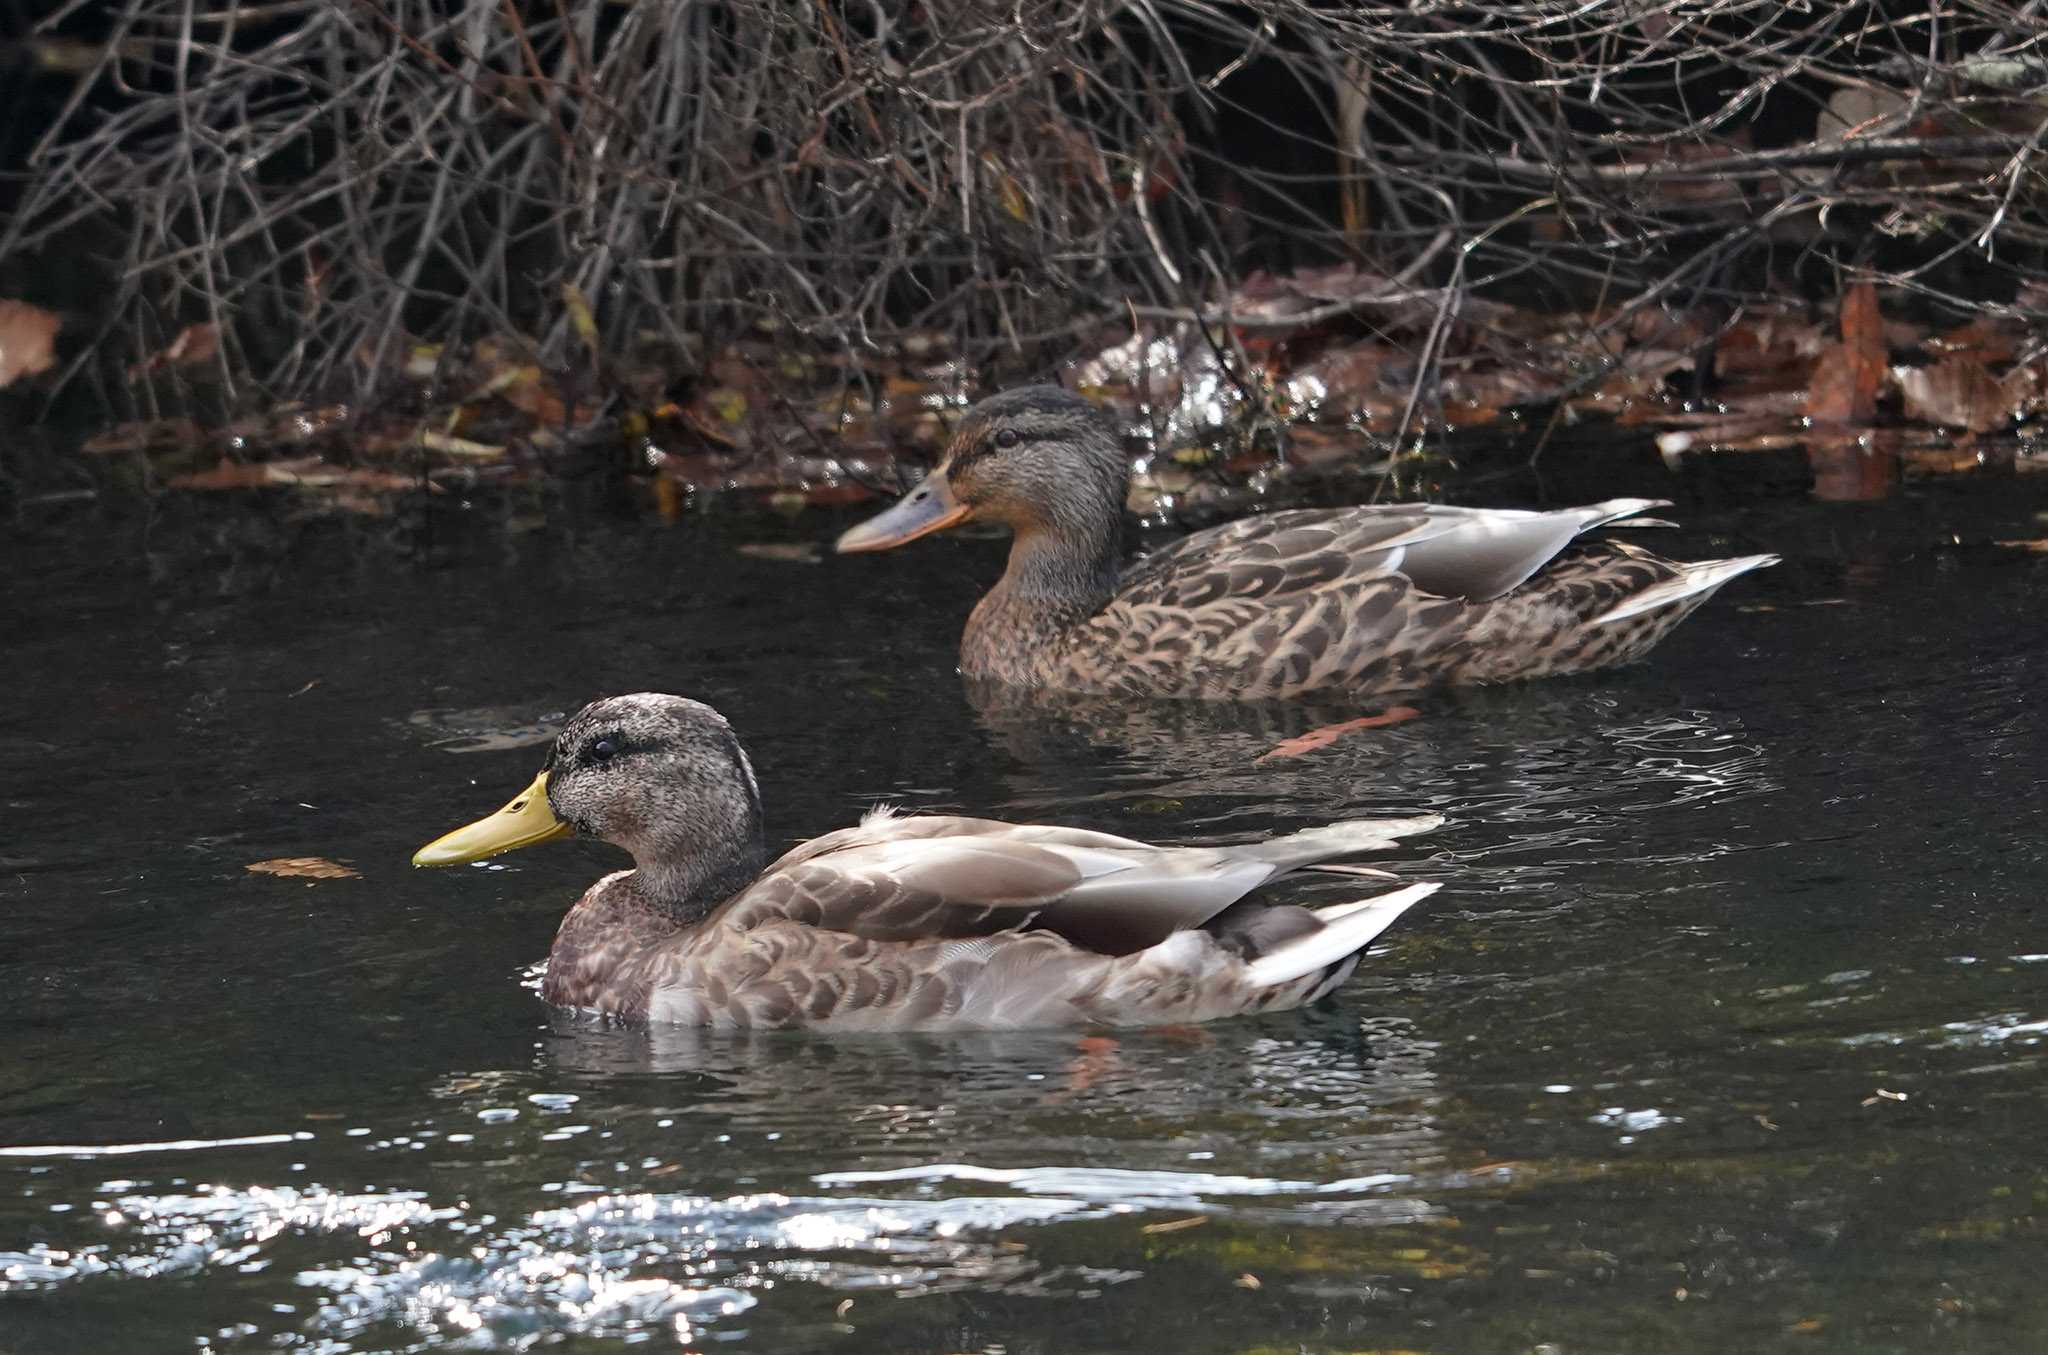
<point x="903" y="922"/>
<point x="1356" y="600"/>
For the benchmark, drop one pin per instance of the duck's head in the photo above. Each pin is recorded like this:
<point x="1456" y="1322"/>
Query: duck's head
<point x="662" y="776"/>
<point x="1035" y="459"/>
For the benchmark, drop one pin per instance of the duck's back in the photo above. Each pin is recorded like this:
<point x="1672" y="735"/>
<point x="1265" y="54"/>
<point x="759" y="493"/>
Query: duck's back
<point x="1375" y="599"/>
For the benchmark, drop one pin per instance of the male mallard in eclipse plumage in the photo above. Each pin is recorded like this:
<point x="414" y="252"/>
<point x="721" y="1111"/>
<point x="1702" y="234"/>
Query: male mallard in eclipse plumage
<point x="903" y="922"/>
<point x="1358" y="600"/>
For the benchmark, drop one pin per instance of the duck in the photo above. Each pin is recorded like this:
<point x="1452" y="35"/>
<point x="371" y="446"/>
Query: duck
<point x="905" y="922"/>
<point x="1358" y="601"/>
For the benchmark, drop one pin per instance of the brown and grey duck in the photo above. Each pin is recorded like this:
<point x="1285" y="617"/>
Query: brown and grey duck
<point x="1356" y="600"/>
<point x="903" y="922"/>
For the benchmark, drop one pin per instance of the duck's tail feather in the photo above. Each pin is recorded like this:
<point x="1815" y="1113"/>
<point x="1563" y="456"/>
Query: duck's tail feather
<point x="1614" y="510"/>
<point x="1347" y="929"/>
<point x="1696" y="579"/>
<point x="1331" y="840"/>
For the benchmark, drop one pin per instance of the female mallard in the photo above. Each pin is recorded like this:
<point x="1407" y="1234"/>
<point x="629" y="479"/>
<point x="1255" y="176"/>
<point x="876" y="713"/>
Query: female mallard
<point x="1358" y="600"/>
<point x="903" y="923"/>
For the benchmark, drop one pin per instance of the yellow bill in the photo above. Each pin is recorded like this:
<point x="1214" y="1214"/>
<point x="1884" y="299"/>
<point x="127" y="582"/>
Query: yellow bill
<point x="927" y="508"/>
<point x="525" y="821"/>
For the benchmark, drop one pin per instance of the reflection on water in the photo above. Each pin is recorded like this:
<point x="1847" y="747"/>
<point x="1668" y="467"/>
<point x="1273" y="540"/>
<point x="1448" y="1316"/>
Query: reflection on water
<point x="1726" y="1032"/>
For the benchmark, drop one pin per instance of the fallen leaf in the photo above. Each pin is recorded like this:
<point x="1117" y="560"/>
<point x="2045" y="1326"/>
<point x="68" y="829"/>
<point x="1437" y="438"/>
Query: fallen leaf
<point x="1988" y="338"/>
<point x="193" y="345"/>
<point x="1329" y="734"/>
<point x="2039" y="545"/>
<point x="308" y="472"/>
<point x="1843" y="388"/>
<point x="143" y="437"/>
<point x="1960" y="392"/>
<point x="304" y="867"/>
<point x="1807" y="1325"/>
<point x="789" y="552"/>
<point x="1176" y="1225"/>
<point x="453" y="446"/>
<point x="668" y="498"/>
<point x="26" y="335"/>
<point x="580" y="317"/>
<point x="1247" y="1281"/>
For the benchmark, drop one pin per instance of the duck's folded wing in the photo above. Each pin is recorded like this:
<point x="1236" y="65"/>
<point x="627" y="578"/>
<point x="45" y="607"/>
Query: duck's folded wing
<point x="1474" y="554"/>
<point x="1109" y="898"/>
<point x="1277" y="555"/>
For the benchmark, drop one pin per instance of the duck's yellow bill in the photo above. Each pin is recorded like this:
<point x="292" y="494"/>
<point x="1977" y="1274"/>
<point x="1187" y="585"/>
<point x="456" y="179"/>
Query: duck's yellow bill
<point x="928" y="508"/>
<point x="525" y="821"/>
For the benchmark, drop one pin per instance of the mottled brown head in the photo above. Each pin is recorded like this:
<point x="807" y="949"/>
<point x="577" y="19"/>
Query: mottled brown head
<point x="665" y="778"/>
<point x="1035" y="459"/>
<point x="661" y="776"/>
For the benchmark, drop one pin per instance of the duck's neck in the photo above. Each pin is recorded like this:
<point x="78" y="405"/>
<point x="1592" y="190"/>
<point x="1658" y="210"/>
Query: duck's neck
<point x="1056" y="579"/>
<point x="684" y="890"/>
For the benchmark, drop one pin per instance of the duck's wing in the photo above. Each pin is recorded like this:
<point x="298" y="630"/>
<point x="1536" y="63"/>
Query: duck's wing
<point x="1473" y="554"/>
<point x="920" y="879"/>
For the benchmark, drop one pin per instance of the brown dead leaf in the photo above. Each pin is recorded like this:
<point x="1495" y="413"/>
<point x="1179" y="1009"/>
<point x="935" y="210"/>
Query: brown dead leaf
<point x="1765" y="342"/>
<point x="1987" y="337"/>
<point x="194" y="344"/>
<point x="305" y="472"/>
<point x="304" y="868"/>
<point x="1176" y="1225"/>
<point x="27" y="335"/>
<point x="2039" y="545"/>
<point x="144" y="436"/>
<point x="1329" y="734"/>
<point x="1960" y="392"/>
<point x="788" y="552"/>
<point x="1247" y="1281"/>
<point x="1844" y="385"/>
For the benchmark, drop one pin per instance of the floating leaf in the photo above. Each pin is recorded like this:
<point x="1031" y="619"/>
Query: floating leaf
<point x="1176" y="1225"/>
<point x="789" y="552"/>
<point x="1329" y="734"/>
<point x="304" y="868"/>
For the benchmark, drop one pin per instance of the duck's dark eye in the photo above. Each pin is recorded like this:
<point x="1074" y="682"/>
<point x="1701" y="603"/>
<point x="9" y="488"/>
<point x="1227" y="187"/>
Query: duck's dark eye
<point x="1009" y="437"/>
<point x="602" y="750"/>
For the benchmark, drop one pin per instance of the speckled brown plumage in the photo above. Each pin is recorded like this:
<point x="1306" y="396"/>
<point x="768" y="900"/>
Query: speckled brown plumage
<point x="1357" y="600"/>
<point x="903" y="923"/>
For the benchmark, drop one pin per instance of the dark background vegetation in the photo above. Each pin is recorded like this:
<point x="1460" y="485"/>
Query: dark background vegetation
<point x="345" y="200"/>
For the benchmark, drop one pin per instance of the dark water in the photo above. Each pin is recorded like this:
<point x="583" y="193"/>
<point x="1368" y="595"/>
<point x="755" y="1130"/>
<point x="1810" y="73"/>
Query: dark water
<point x="1724" y="1035"/>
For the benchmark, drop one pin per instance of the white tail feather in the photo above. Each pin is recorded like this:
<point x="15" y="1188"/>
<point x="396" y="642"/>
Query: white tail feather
<point x="1613" y="510"/>
<point x="1695" y="579"/>
<point x="1348" y="928"/>
<point x="1344" y="838"/>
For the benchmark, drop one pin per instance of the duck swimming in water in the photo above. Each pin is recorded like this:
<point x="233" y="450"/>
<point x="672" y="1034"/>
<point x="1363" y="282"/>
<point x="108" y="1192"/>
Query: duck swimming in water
<point x="904" y="922"/>
<point x="1361" y="600"/>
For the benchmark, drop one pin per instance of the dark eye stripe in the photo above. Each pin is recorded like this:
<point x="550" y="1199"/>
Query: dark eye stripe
<point x="984" y="445"/>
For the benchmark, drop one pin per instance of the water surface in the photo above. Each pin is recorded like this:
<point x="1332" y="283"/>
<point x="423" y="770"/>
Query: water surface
<point x="1724" y="1034"/>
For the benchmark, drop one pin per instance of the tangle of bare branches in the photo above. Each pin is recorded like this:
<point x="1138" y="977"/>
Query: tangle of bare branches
<point x="336" y="186"/>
